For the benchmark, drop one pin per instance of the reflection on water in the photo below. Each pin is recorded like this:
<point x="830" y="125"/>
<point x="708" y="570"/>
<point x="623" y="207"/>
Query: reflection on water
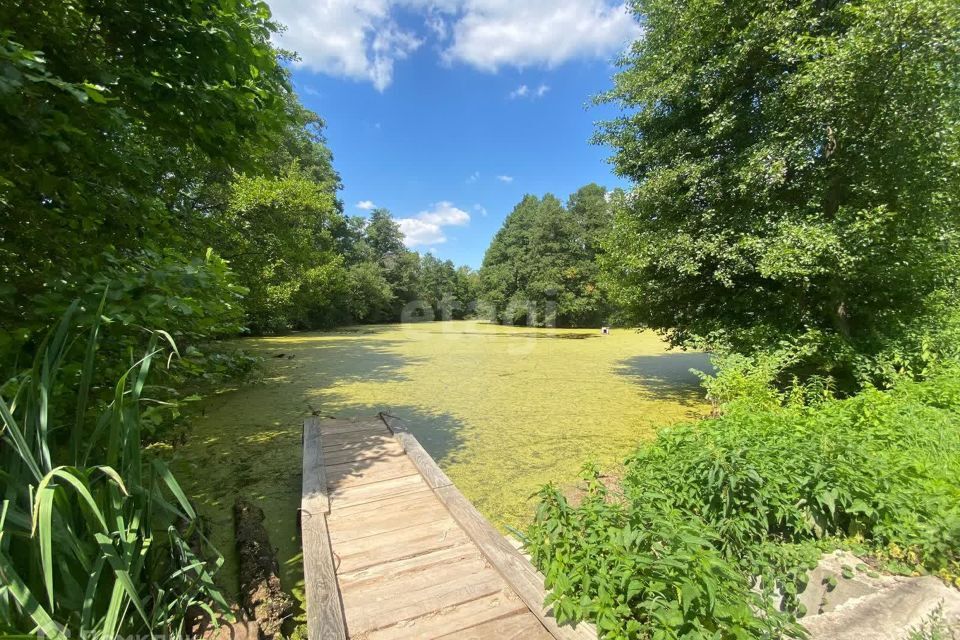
<point x="503" y="410"/>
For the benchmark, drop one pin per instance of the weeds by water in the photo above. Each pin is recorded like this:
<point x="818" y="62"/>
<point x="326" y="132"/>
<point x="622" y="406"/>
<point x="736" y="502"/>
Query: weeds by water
<point x="758" y="493"/>
<point x="96" y="539"/>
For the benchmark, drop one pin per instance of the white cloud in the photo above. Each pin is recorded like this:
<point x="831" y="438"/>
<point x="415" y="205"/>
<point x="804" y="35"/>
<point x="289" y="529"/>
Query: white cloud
<point x="436" y="23"/>
<point x="519" y="92"/>
<point x="523" y="91"/>
<point x="366" y="205"/>
<point x="507" y="179"/>
<point x="495" y="33"/>
<point x="482" y="210"/>
<point x="473" y="177"/>
<point x="359" y="40"/>
<point x="444" y="213"/>
<point x="418" y="233"/>
<point x="363" y="39"/>
<point x="426" y="228"/>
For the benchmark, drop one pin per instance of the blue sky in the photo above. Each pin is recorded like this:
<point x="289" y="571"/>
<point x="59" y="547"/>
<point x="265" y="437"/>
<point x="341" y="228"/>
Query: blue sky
<point x="447" y="112"/>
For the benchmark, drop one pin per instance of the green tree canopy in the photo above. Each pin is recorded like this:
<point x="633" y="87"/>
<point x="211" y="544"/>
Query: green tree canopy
<point x="795" y="166"/>
<point x="117" y="117"/>
<point x="277" y="233"/>
<point x="449" y="290"/>
<point x="540" y="267"/>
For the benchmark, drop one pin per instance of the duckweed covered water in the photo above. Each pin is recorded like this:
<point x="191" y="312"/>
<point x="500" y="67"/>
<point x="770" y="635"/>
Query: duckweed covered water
<point x="503" y="410"/>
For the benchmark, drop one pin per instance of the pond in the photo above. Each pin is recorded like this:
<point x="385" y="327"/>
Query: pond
<point x="503" y="410"/>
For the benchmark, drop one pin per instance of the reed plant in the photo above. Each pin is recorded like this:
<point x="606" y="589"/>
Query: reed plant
<point x="97" y="538"/>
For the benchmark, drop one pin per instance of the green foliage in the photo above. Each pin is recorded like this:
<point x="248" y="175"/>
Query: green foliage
<point x="369" y="296"/>
<point x="195" y="296"/>
<point x="795" y="168"/>
<point x="765" y="488"/>
<point x="383" y="235"/>
<point x="278" y="235"/>
<point x="449" y="291"/>
<point x="642" y="570"/>
<point x="541" y="267"/>
<point x="757" y="381"/>
<point x="113" y="115"/>
<point x="96" y="537"/>
<point x="935" y="627"/>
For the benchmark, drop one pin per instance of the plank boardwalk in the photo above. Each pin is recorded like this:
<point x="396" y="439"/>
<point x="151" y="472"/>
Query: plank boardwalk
<point x="393" y="550"/>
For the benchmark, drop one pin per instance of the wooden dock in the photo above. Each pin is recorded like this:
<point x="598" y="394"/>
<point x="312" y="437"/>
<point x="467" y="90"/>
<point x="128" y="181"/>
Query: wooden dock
<point x="393" y="550"/>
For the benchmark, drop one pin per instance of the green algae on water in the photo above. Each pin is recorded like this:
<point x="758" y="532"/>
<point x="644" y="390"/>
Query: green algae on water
<point x="503" y="410"/>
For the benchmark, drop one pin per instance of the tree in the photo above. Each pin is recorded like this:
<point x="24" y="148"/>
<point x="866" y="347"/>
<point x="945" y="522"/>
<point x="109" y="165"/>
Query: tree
<point x="466" y="290"/>
<point x="277" y="233"/>
<point x="795" y="169"/>
<point x="370" y="298"/>
<point x="592" y="214"/>
<point x="540" y="267"/>
<point x="383" y="235"/>
<point x="115" y="115"/>
<point x="438" y="285"/>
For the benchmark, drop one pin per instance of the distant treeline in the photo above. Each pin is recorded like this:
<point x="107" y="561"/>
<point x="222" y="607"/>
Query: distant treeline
<point x="542" y="269"/>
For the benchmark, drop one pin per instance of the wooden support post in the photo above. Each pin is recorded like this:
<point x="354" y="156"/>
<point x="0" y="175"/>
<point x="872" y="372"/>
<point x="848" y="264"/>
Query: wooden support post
<point x="325" y="620"/>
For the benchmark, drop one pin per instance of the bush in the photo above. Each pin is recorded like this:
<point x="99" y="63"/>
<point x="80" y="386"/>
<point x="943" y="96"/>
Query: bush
<point x="196" y="296"/>
<point x="761" y="491"/>
<point x="97" y="539"/>
<point x="642" y="569"/>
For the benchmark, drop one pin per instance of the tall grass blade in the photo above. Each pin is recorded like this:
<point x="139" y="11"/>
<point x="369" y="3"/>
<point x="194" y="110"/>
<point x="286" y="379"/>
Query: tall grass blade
<point x="75" y="503"/>
<point x="121" y="571"/>
<point x="175" y="489"/>
<point x="86" y="376"/>
<point x="19" y="441"/>
<point x="43" y="528"/>
<point x="86" y="612"/>
<point x="22" y="594"/>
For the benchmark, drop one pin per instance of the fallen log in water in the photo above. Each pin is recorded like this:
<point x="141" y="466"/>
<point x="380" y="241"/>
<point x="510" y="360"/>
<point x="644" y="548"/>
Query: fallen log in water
<point x="260" y="590"/>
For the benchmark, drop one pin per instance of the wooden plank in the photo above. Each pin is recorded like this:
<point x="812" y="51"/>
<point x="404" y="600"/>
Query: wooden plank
<point x="339" y="427"/>
<point x="434" y="476"/>
<point x="364" y="437"/>
<point x="378" y="490"/>
<point x="344" y="510"/>
<point x="391" y="570"/>
<point x="432" y="598"/>
<point x="314" y="496"/>
<point x="520" y="626"/>
<point x="339" y="443"/>
<point x="325" y="616"/>
<point x="383" y="451"/>
<point x="397" y="591"/>
<point x="398" y="545"/>
<point x="354" y="473"/>
<point x="515" y="569"/>
<point x="450" y="620"/>
<point x="386" y="554"/>
<point x="384" y="521"/>
<point x="519" y="573"/>
<point x="432" y="473"/>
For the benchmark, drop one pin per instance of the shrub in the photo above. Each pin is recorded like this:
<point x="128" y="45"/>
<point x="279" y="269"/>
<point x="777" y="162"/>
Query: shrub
<point x="642" y="569"/>
<point x="762" y="491"/>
